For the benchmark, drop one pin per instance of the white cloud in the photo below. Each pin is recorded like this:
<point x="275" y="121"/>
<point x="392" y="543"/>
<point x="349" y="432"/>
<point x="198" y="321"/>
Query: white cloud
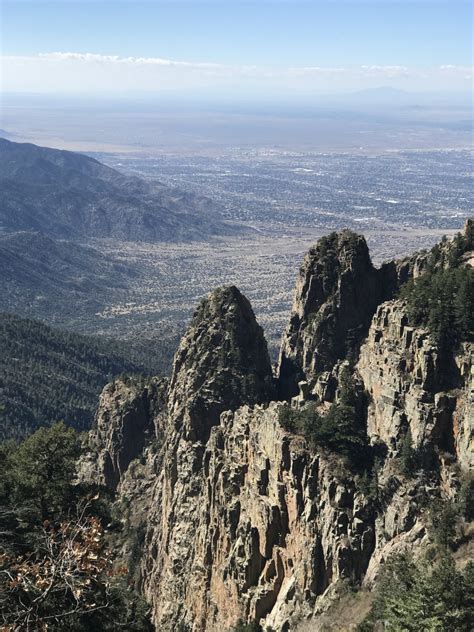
<point x="460" y="71"/>
<point x="387" y="71"/>
<point x="115" y="59"/>
<point x="92" y="72"/>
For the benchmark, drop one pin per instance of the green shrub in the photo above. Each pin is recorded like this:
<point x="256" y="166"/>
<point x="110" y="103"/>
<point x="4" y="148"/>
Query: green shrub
<point x="340" y="430"/>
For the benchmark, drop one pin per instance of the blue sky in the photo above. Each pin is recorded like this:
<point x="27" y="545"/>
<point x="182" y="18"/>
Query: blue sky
<point x="326" y="35"/>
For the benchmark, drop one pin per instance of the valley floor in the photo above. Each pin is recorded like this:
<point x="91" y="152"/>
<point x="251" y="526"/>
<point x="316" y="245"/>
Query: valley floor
<point x="172" y="278"/>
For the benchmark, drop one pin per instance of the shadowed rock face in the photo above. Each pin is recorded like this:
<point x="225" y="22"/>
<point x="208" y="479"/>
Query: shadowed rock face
<point x="124" y="424"/>
<point x="336" y="295"/>
<point x="221" y="364"/>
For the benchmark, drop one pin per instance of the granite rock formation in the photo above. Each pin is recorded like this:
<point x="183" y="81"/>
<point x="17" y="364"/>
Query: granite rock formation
<point x="245" y="521"/>
<point x="221" y="364"/>
<point x="258" y="531"/>
<point x="336" y="294"/>
<point x="126" y="421"/>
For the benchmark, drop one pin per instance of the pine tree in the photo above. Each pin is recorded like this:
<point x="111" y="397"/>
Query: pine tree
<point x="419" y="596"/>
<point x="443" y="522"/>
<point x="469" y="235"/>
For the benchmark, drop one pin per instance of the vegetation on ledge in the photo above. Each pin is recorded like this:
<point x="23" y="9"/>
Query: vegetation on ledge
<point x="442" y="299"/>
<point x="340" y="430"/>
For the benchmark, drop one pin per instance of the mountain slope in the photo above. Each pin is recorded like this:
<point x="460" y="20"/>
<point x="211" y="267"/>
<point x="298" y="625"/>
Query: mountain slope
<point x="55" y="279"/>
<point x="48" y="375"/>
<point x="71" y="196"/>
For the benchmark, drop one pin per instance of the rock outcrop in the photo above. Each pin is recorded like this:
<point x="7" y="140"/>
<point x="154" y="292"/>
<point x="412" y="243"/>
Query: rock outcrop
<point x="222" y="363"/>
<point x="336" y="294"/>
<point x="240" y="519"/>
<point x="258" y="531"/>
<point x="412" y="385"/>
<point x="463" y="414"/>
<point x="124" y="424"/>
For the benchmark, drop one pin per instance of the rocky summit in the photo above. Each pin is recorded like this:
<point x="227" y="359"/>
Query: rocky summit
<point x="222" y="363"/>
<point x="337" y="292"/>
<point x="268" y="500"/>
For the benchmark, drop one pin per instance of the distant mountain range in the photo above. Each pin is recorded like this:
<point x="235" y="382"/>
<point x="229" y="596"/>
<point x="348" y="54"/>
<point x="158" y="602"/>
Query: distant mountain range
<point x="67" y="195"/>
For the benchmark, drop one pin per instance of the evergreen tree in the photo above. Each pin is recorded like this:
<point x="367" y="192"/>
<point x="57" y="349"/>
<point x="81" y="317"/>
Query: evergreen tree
<point x="443" y="301"/>
<point x="469" y="236"/>
<point x="413" y="596"/>
<point x="464" y="306"/>
<point x="40" y="470"/>
<point x="465" y="498"/>
<point x="444" y="516"/>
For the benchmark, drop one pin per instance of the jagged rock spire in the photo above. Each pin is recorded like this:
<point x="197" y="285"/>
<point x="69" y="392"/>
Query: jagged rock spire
<point x="221" y="363"/>
<point x="125" y="422"/>
<point x="336" y="295"/>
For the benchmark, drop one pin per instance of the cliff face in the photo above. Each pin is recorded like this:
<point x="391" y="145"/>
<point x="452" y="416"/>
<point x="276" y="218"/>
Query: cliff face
<point x="124" y="424"/>
<point x="411" y="385"/>
<point x="259" y="530"/>
<point x="336" y="295"/>
<point x="242" y="520"/>
<point x="463" y="414"/>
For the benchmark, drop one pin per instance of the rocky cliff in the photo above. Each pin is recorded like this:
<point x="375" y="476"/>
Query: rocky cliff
<point x="408" y="381"/>
<point x="243" y="520"/>
<point x="222" y="363"/>
<point x="336" y="294"/>
<point x="127" y="419"/>
<point x="259" y="530"/>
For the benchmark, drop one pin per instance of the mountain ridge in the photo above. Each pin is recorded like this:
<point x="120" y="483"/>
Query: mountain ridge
<point x="49" y="374"/>
<point x="68" y="195"/>
<point x="260" y="516"/>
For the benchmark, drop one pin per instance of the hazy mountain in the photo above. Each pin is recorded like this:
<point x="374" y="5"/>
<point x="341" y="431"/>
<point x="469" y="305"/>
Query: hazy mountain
<point x="68" y="195"/>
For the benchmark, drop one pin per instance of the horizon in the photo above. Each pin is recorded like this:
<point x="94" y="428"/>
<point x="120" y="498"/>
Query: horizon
<point x="244" y="50"/>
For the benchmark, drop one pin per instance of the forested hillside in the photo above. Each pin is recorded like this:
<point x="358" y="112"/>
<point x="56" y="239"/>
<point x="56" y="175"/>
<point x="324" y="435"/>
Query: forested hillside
<point x="57" y="280"/>
<point x="48" y="375"/>
<point x="442" y="298"/>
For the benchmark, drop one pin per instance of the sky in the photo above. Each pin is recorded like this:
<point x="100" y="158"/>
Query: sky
<point x="234" y="47"/>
